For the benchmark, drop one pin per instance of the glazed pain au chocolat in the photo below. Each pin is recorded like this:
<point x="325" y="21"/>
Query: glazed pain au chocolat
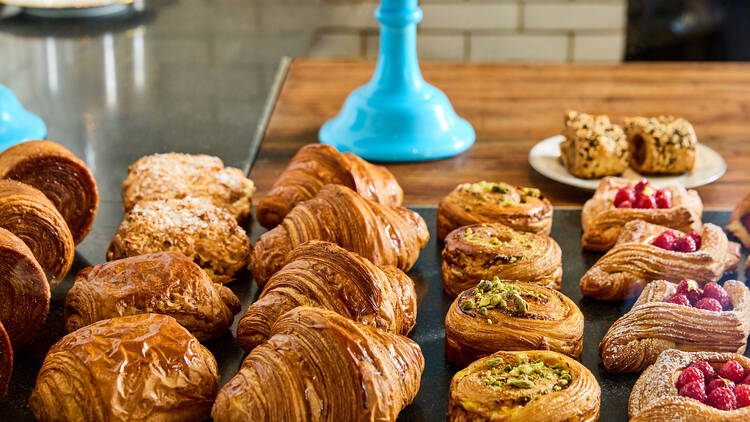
<point x="593" y="146"/>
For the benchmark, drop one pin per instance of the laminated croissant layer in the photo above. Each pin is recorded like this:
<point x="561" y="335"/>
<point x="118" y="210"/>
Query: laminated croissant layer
<point x="6" y="361"/>
<point x="739" y="221"/>
<point x="317" y="165"/>
<point x="319" y="365"/>
<point x="325" y="275"/>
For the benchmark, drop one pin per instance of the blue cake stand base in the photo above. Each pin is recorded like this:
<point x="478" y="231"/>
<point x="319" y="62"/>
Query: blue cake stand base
<point x="16" y="124"/>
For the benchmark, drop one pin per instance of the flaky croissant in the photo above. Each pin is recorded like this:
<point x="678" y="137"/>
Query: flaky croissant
<point x="328" y="276"/>
<point x="531" y="385"/>
<point x="602" y="221"/>
<point x="483" y="251"/>
<point x="60" y="175"/>
<point x="144" y="367"/>
<point x="317" y="165"/>
<point x="633" y="262"/>
<point x="384" y="235"/>
<point x="6" y="361"/>
<point x="653" y="325"/>
<point x="319" y="365"/>
<point x="163" y="282"/>
<point x="739" y="221"/>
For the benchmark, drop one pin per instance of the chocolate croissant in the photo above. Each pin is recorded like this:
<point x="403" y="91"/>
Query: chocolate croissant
<point x="144" y="367"/>
<point x="319" y="365"/>
<point x="524" y="386"/>
<point x="384" y="235"/>
<point x="27" y="213"/>
<point x="328" y="276"/>
<point x="317" y="165"/>
<point x="163" y="282"/>
<point x="522" y="209"/>
<point x="593" y="146"/>
<point x="739" y="221"/>
<point x="501" y="315"/>
<point x="6" y="361"/>
<point x="661" y="145"/>
<point x="482" y="251"/>
<point x="61" y="176"/>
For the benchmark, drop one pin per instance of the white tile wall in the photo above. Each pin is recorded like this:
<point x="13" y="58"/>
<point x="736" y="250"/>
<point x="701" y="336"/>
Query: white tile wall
<point x="598" y="48"/>
<point x="574" y="16"/>
<point x="519" y="47"/>
<point x="468" y="16"/>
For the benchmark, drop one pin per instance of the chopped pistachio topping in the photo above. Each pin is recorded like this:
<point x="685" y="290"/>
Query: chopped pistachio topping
<point x="533" y="192"/>
<point x="467" y="305"/>
<point x="497" y="294"/>
<point x="525" y="374"/>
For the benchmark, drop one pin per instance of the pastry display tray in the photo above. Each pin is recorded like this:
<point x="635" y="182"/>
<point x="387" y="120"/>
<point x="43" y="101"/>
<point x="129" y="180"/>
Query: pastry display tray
<point x="431" y="403"/>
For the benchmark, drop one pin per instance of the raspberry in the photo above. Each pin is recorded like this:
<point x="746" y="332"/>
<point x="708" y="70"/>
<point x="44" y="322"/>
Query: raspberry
<point x="746" y="380"/>
<point x="645" y="202"/>
<point x="709" y="304"/>
<point x="690" y="289"/>
<point x="689" y="375"/>
<point x="625" y="204"/>
<point x="640" y="186"/>
<point x="625" y="194"/>
<point x="706" y="368"/>
<point x="722" y="398"/>
<point x="719" y="382"/>
<point x="713" y="290"/>
<point x="694" y="390"/>
<point x="685" y="244"/>
<point x="733" y="371"/>
<point x="679" y="299"/>
<point x="663" y="198"/>
<point x="665" y="240"/>
<point x="696" y="237"/>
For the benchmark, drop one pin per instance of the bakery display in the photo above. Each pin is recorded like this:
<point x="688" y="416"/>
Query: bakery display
<point x="208" y="235"/>
<point x="520" y="208"/>
<point x="646" y="252"/>
<point x="661" y="145"/>
<point x="143" y="367"/>
<point x="501" y="315"/>
<point x="524" y="386"/>
<point x="698" y="386"/>
<point x="317" y="165"/>
<point x="28" y="214"/>
<point x="617" y="201"/>
<point x="328" y="276"/>
<point x="678" y="316"/>
<point x="319" y="365"/>
<point x="177" y="176"/>
<point x="739" y="221"/>
<point x="163" y="282"/>
<point x="58" y="174"/>
<point x="6" y="361"/>
<point x="486" y="250"/>
<point x="385" y="235"/>
<point x="593" y="146"/>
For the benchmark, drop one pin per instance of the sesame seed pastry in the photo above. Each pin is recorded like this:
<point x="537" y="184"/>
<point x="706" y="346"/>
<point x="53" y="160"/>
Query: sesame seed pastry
<point x="593" y="146"/>
<point x="739" y="221"/>
<point x="661" y="145"/>
<point x="6" y="361"/>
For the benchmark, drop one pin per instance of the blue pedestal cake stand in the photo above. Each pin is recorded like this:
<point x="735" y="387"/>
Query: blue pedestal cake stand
<point x="17" y="124"/>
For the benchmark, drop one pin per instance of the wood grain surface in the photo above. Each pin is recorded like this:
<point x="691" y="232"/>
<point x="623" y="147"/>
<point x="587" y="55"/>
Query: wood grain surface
<point x="513" y="106"/>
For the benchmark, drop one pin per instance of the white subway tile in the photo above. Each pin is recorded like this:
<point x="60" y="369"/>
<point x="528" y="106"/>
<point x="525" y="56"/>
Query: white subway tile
<point x="598" y="48"/>
<point x="335" y="45"/>
<point x="519" y="47"/>
<point x="470" y="16"/>
<point x="574" y="16"/>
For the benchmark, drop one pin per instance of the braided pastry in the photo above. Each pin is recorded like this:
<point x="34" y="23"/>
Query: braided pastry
<point x="6" y="361"/>
<point x="661" y="145"/>
<point x="593" y="146"/>
<point x="739" y="221"/>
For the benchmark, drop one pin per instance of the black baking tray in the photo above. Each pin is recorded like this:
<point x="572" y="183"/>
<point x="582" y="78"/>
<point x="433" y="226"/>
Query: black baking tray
<point x="431" y="403"/>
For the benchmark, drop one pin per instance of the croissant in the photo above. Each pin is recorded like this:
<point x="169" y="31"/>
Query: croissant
<point x="482" y="251"/>
<point x="384" y="235"/>
<point x="531" y="385"/>
<point x="663" y="145"/>
<point x="653" y="325"/>
<point x="27" y="213"/>
<point x="602" y="221"/>
<point x="319" y="365"/>
<point x="325" y="275"/>
<point x="317" y="165"/>
<point x="593" y="146"/>
<point x="522" y="209"/>
<point x="634" y="261"/>
<point x="163" y="282"/>
<point x="6" y="361"/>
<point x="144" y="367"/>
<point x="176" y="176"/>
<point x="60" y="175"/>
<point x="739" y="221"/>
<point x="500" y="315"/>
<point x="208" y="235"/>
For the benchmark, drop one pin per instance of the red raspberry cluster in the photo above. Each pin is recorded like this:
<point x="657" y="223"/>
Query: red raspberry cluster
<point x="726" y="390"/>
<point x="672" y="240"/>
<point x="712" y="297"/>
<point x="642" y="195"/>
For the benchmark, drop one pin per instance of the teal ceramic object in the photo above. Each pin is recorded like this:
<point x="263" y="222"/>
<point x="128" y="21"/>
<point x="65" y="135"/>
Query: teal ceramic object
<point x="17" y="124"/>
<point x="397" y="116"/>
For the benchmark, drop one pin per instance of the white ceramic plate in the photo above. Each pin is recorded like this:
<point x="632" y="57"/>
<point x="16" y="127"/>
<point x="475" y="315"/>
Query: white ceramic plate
<point x="545" y="158"/>
<point x="70" y="8"/>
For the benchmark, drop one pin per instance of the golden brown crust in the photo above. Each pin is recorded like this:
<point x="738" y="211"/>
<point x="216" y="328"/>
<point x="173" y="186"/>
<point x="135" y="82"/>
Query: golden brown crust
<point x="317" y="165"/>
<point x="602" y="221"/>
<point x="328" y="276"/>
<point x="593" y="146"/>
<point x="384" y="235"/>
<point x="652" y="325"/>
<point x="523" y="209"/>
<point x="319" y="365"/>
<point x="6" y="361"/>
<point x="661" y="145"/>
<point x="163" y="282"/>
<point x="208" y="235"/>
<point x="58" y="174"/>
<point x="633" y="262"/>
<point x="472" y="398"/>
<point x="736" y="224"/>
<point x="483" y="251"/>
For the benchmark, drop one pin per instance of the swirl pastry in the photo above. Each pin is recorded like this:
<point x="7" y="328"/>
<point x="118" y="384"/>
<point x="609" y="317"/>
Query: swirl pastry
<point x="325" y="275"/>
<point x="593" y="146"/>
<point x="28" y="214"/>
<point x="163" y="282"/>
<point x="523" y="209"/>
<point x="317" y="165"/>
<point x="524" y="386"/>
<point x="208" y="235"/>
<point x="384" y="235"/>
<point x="500" y="315"/>
<point x="176" y="176"/>
<point x="60" y="175"/>
<point x="319" y="365"/>
<point x="143" y="367"/>
<point x="483" y="251"/>
<point x="635" y="260"/>
<point x="661" y="145"/>
<point x="6" y="361"/>
<point x="739" y="221"/>
<point x="655" y="324"/>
